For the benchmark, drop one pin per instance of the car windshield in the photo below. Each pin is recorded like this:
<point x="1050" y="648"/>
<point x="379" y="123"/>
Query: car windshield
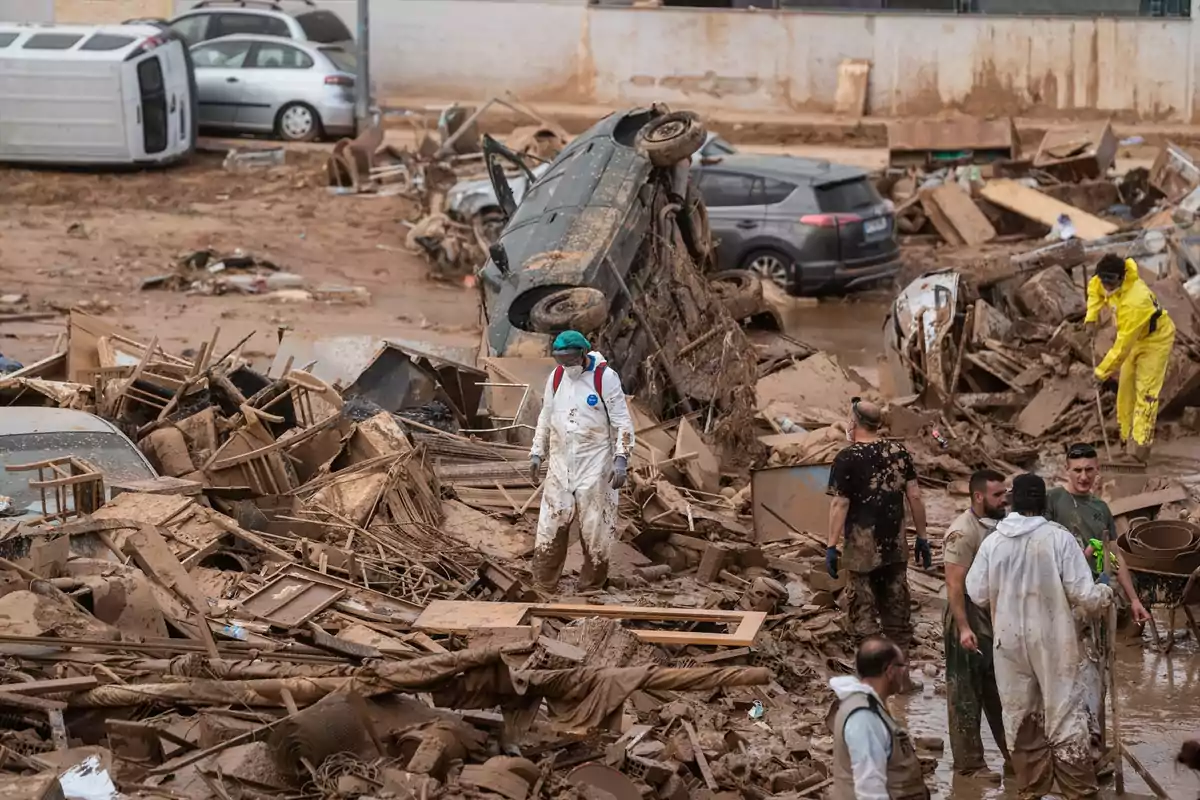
<point x="323" y="27"/>
<point x="346" y="62"/>
<point x="111" y="453"/>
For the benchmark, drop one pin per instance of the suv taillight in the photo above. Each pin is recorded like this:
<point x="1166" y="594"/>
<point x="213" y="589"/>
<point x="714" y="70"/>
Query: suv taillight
<point x="829" y="220"/>
<point x="339" y="80"/>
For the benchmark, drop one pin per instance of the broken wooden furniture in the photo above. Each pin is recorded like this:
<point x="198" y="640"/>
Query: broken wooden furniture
<point x="76" y="486"/>
<point x="451" y="616"/>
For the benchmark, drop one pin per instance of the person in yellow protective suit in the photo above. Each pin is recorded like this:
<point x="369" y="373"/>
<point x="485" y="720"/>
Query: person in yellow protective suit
<point x="1142" y="350"/>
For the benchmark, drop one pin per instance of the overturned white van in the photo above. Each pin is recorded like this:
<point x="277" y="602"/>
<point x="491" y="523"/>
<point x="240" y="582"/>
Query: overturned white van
<point x="95" y="95"/>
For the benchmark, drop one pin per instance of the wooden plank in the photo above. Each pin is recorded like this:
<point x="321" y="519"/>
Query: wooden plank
<point x="36" y="688"/>
<point x="30" y="703"/>
<point x="955" y="215"/>
<point x="701" y="759"/>
<point x="1035" y="205"/>
<point x="1138" y="502"/>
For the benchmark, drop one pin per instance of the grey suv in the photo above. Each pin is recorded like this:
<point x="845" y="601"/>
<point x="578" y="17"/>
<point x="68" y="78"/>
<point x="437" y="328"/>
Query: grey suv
<point x="808" y="225"/>
<point x="300" y="20"/>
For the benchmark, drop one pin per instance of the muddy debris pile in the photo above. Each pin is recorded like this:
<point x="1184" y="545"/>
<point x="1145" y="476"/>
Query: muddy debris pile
<point x="323" y="589"/>
<point x="966" y="182"/>
<point x="208" y="272"/>
<point x="997" y="350"/>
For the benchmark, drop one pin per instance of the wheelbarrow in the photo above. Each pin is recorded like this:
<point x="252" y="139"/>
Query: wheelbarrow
<point x="1174" y="591"/>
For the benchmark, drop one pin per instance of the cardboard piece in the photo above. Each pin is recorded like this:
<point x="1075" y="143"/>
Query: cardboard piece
<point x="1079" y="152"/>
<point x="703" y="471"/>
<point x="1047" y="406"/>
<point x="148" y="548"/>
<point x="1040" y="207"/>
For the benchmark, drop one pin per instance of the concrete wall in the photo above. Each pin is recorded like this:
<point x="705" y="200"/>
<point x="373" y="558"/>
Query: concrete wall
<point x="760" y="61"/>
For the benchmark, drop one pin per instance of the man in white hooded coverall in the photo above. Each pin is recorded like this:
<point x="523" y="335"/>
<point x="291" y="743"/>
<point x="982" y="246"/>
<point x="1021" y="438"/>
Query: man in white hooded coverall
<point x="586" y="429"/>
<point x="1030" y="573"/>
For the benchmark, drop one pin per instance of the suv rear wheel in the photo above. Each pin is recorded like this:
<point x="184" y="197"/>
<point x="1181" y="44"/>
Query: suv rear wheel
<point x="770" y="265"/>
<point x="671" y="138"/>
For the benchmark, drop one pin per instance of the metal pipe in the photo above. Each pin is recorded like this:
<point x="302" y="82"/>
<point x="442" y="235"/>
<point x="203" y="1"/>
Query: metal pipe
<point x="362" y="81"/>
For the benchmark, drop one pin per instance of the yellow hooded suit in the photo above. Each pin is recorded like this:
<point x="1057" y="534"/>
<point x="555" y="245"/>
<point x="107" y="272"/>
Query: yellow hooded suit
<point x="1145" y="335"/>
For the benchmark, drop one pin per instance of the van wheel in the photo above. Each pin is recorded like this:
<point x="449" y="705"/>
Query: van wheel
<point x="298" y="122"/>
<point x="581" y="308"/>
<point x="741" y="292"/>
<point x="770" y="265"/>
<point x="671" y="138"/>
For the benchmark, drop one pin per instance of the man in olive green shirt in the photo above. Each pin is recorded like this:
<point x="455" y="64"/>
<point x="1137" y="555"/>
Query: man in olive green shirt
<point x="971" y="691"/>
<point x="1088" y="517"/>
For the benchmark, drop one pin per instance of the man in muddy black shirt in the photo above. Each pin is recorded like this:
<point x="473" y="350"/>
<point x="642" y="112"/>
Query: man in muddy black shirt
<point x="869" y="482"/>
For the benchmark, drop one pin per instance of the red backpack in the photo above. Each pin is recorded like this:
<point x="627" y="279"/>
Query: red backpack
<point x="598" y="381"/>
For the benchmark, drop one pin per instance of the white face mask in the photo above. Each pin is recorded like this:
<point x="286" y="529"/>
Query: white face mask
<point x="573" y="372"/>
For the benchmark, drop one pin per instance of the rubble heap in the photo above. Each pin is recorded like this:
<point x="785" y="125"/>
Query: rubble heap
<point x="324" y="594"/>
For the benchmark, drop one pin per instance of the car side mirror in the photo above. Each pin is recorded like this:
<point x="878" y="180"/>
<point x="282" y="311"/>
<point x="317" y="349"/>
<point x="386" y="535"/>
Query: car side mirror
<point x="499" y="258"/>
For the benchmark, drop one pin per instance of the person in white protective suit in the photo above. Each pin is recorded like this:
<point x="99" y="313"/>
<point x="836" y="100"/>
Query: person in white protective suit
<point x="1030" y="573"/>
<point x="585" y="434"/>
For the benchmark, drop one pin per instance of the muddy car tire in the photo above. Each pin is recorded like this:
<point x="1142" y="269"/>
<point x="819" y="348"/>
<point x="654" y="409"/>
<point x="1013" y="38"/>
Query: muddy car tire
<point x="581" y="308"/>
<point x="741" y="292"/>
<point x="693" y="224"/>
<point x="671" y="138"/>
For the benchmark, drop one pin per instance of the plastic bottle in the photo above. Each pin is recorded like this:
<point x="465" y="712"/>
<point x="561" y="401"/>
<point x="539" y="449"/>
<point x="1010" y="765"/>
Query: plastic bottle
<point x="942" y="440"/>
<point x="235" y="632"/>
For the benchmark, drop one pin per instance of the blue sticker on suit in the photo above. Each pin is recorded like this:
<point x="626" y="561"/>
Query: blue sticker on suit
<point x="592" y="399"/>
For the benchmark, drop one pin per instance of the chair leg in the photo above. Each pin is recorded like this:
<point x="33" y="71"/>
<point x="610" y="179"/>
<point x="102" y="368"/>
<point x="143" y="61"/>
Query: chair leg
<point x="1154" y="633"/>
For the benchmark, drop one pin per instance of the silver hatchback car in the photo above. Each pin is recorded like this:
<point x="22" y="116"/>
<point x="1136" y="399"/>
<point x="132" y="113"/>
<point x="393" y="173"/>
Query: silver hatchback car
<point x="268" y="84"/>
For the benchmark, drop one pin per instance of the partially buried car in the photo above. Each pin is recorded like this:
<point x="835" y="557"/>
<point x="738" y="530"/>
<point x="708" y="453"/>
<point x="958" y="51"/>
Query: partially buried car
<point x="612" y="239"/>
<point x="31" y="435"/>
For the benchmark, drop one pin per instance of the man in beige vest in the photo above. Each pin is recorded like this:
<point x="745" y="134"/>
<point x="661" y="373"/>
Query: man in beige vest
<point x="873" y="757"/>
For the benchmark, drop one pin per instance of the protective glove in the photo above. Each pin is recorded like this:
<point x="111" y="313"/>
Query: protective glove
<point x="535" y="466"/>
<point x="831" y="561"/>
<point x="923" y="553"/>
<point x="620" y="472"/>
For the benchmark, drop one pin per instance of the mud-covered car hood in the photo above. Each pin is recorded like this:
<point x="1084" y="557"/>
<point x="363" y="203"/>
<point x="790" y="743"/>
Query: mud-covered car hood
<point x="584" y="209"/>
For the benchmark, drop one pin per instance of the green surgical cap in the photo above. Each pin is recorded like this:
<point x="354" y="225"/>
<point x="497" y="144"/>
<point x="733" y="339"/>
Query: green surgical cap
<point x="572" y="340"/>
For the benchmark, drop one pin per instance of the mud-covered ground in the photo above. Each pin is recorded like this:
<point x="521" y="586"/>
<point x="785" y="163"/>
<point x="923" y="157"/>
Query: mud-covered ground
<point x="92" y="237"/>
